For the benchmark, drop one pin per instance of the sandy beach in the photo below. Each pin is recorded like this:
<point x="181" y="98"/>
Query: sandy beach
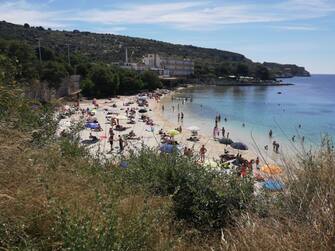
<point x="147" y="135"/>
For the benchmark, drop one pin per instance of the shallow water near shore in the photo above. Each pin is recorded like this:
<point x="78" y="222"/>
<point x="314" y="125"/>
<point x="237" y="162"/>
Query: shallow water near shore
<point x="310" y="102"/>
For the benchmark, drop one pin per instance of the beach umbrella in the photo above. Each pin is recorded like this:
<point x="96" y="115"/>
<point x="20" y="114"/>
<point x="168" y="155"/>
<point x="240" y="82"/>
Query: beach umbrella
<point x="226" y="141"/>
<point x="92" y="125"/>
<point x="173" y="133"/>
<point x="166" y="148"/>
<point x="239" y="146"/>
<point x="271" y="169"/>
<point x="193" y="128"/>
<point x="93" y="111"/>
<point x="273" y="185"/>
<point x="142" y="97"/>
<point x="142" y="110"/>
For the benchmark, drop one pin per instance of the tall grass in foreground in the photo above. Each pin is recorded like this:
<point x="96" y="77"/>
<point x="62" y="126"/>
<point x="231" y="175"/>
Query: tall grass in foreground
<point x="55" y="196"/>
<point x="300" y="218"/>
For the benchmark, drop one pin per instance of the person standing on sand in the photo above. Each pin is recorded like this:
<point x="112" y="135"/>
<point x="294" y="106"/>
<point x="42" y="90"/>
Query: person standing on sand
<point x="215" y="129"/>
<point x="121" y="144"/>
<point x="219" y="117"/>
<point x="277" y="147"/>
<point x="270" y="133"/>
<point x="257" y="163"/>
<point x="203" y="151"/>
<point x="182" y="116"/>
<point x="111" y="141"/>
<point x="227" y="135"/>
<point x="293" y="138"/>
<point x="223" y="131"/>
<point x="163" y="108"/>
<point x="111" y="138"/>
<point x="173" y="108"/>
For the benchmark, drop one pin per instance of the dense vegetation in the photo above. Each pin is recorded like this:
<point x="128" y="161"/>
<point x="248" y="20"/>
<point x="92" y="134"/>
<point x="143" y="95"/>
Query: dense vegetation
<point x="109" y="48"/>
<point x="55" y="196"/>
<point x="98" y="79"/>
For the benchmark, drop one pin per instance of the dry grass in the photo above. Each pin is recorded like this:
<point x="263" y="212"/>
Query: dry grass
<point x="38" y="184"/>
<point x="54" y="197"/>
<point x="302" y="217"/>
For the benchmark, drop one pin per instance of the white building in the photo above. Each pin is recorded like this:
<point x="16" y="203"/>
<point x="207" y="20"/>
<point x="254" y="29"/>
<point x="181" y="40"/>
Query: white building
<point x="169" y="66"/>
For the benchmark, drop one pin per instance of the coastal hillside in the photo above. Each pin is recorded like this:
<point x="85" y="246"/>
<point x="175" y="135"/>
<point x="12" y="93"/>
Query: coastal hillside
<point x="110" y="48"/>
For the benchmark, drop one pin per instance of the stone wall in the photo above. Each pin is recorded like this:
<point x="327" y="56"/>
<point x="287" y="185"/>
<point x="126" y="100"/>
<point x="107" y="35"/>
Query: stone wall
<point x="41" y="90"/>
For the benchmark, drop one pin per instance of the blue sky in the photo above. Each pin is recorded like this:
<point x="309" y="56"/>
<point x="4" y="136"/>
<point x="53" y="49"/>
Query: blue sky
<point x="288" y="31"/>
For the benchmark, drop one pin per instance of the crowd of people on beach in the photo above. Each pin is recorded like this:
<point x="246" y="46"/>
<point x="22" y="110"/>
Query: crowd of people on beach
<point x="122" y="136"/>
<point x="138" y="110"/>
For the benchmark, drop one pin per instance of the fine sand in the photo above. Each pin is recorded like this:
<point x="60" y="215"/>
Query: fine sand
<point x="147" y="135"/>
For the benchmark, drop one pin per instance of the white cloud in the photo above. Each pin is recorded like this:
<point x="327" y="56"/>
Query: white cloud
<point x="297" y="28"/>
<point x="197" y="15"/>
<point x="113" y="30"/>
<point x="23" y="12"/>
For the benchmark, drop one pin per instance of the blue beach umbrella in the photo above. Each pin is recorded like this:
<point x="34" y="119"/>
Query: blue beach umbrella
<point x="166" y="148"/>
<point x="92" y="125"/>
<point x="226" y="141"/>
<point x="273" y="185"/>
<point x="239" y="146"/>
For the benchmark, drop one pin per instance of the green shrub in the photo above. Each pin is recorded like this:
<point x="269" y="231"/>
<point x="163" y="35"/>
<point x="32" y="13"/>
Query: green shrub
<point x="203" y="198"/>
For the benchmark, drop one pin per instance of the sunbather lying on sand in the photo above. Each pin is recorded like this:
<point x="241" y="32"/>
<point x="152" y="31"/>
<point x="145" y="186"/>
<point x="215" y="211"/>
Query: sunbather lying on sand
<point x="121" y="128"/>
<point x="93" y="137"/>
<point x="193" y="139"/>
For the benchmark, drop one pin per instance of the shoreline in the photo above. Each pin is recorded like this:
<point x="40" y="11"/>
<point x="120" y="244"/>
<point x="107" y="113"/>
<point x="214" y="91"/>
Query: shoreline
<point x="215" y="149"/>
<point x="152" y="139"/>
<point x="254" y="139"/>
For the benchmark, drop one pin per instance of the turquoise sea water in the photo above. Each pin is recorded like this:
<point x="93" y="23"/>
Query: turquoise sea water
<point x="309" y="102"/>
